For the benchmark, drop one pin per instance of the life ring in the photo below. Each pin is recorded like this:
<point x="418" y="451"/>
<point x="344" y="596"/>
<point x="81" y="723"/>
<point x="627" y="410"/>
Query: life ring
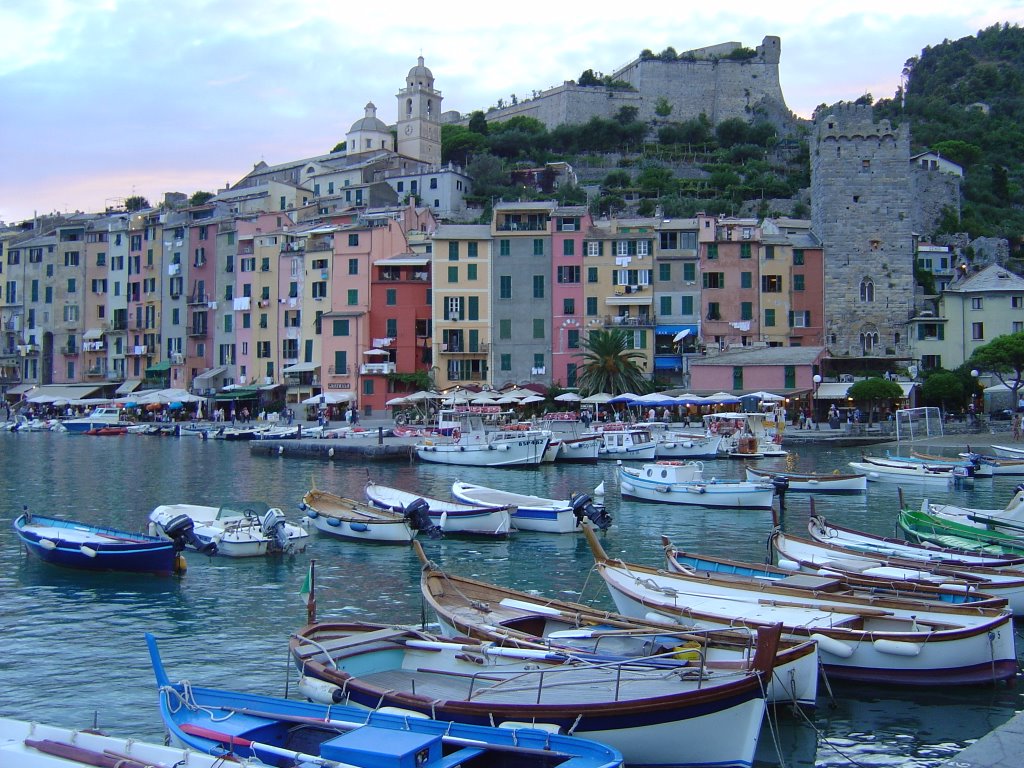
<point x="714" y="427"/>
<point x="456" y="435"/>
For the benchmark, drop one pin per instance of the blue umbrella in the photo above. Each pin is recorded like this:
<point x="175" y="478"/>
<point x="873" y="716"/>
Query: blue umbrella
<point x="131" y="404"/>
<point x="175" y="406"/>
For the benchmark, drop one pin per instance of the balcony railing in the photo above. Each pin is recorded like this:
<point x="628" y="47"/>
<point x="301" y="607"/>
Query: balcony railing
<point x="465" y="349"/>
<point x="199" y="298"/>
<point x="345" y="371"/>
<point x="94" y="372"/>
<point x="198" y="330"/>
<point x="119" y="325"/>
<point x="380" y="369"/>
<point x="69" y="351"/>
<point x="629" y="321"/>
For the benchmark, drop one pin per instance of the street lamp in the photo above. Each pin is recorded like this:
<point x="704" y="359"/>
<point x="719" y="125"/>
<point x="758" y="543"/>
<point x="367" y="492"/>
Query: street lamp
<point x="814" y="396"/>
<point x="974" y="394"/>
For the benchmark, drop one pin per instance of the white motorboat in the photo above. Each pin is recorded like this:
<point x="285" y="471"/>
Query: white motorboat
<point x="97" y="419"/>
<point x="970" y="463"/>
<point x="744" y="435"/>
<point x="534" y="513"/>
<point x="886" y="470"/>
<point x="237" y="529"/>
<point x="1008" y="451"/>
<point x="470" y="444"/>
<point x="676" y="482"/>
<point x="619" y="441"/>
<point x="812" y="482"/>
<point x="687" y="445"/>
<point x="998" y="464"/>
<point x="586" y="448"/>
<point x="450" y="516"/>
<point x="895" y="642"/>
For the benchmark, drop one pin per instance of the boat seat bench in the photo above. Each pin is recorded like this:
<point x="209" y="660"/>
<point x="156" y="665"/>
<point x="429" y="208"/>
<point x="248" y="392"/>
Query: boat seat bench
<point x="348" y="641"/>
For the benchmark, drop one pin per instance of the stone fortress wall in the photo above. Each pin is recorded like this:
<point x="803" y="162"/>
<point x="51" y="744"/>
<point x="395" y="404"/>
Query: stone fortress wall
<point x="700" y="81"/>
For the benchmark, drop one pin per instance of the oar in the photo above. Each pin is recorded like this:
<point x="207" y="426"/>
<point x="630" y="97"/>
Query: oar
<point x="826" y="608"/>
<point x="995" y="521"/>
<point x="238" y="741"/>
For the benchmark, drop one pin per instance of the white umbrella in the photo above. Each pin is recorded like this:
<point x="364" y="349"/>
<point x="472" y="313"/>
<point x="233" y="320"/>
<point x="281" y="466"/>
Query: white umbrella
<point x="568" y="397"/>
<point x="598" y="398"/>
<point x="507" y="401"/>
<point x="517" y="393"/>
<point x="397" y="401"/>
<point x="722" y="397"/>
<point x="377" y="352"/>
<point x="531" y="399"/>
<point x="681" y="335"/>
<point x="768" y="397"/>
<point x="329" y="398"/>
<point x="482" y="399"/>
<point x="423" y="394"/>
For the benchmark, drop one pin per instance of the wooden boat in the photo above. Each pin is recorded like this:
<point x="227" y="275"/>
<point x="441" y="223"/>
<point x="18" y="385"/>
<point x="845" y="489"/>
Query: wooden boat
<point x="920" y="526"/>
<point x="284" y="732"/>
<point x="535" y="513"/>
<point x="675" y="482"/>
<point x="848" y="539"/>
<point x="97" y="548"/>
<point x="1009" y="519"/>
<point x="36" y="745"/>
<point x="845" y="588"/>
<point x="620" y="441"/>
<point x="794" y="553"/>
<point x="236" y="529"/>
<point x="115" y="431"/>
<point x="1008" y="451"/>
<point x="886" y="470"/>
<point x="471" y="445"/>
<point x="998" y="464"/>
<point x="450" y="516"/>
<point x="686" y="445"/>
<point x="898" y="642"/>
<point x="653" y="717"/>
<point x="509" y="618"/>
<point x="351" y="519"/>
<point x="812" y="482"/>
<point x="972" y="467"/>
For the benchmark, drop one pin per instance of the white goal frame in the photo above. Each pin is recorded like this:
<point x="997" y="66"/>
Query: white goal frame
<point x="918" y="423"/>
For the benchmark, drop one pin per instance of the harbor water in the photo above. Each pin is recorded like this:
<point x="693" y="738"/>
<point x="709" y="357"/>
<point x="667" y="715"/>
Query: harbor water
<point x="71" y="644"/>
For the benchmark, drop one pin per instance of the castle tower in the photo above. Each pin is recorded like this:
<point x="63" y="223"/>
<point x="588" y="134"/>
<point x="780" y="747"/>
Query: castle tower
<point x="861" y="208"/>
<point x="419" y="116"/>
<point x="368" y="134"/>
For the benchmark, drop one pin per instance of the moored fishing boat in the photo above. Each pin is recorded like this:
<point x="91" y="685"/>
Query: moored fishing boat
<point x="998" y="464"/>
<point x="235" y="529"/>
<point x="1008" y="451"/>
<point x="652" y="716"/>
<point x="535" y="513"/>
<point x="971" y="465"/>
<point x="1009" y="519"/>
<point x="795" y="553"/>
<point x="450" y="516"/>
<point x="510" y="618"/>
<point x="284" y="732"/>
<point x="921" y="526"/>
<point x="744" y="435"/>
<point x="898" y="642"/>
<point x="812" y="482"/>
<point x="470" y="444"/>
<point x="686" y="445"/>
<point x="350" y="519"/>
<point x="675" y="482"/>
<point x="96" y="419"/>
<point x="887" y="470"/>
<point x="74" y="544"/>
<point x="621" y="441"/>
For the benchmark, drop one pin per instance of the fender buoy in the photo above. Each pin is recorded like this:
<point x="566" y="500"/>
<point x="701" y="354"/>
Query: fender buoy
<point x="456" y="435"/>
<point x="714" y="427"/>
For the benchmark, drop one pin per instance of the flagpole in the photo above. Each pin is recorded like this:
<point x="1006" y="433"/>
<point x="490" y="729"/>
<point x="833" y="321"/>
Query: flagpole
<point x="311" y="599"/>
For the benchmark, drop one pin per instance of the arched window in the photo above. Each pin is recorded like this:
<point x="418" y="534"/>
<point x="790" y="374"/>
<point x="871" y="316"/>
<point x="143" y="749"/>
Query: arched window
<point x="896" y="339"/>
<point x="867" y="290"/>
<point x="430" y="108"/>
<point x="868" y="341"/>
<point x="408" y="106"/>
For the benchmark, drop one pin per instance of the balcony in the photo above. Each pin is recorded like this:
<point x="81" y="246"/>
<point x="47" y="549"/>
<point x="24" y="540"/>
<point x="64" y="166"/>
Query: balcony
<point x="69" y="350"/>
<point x="345" y="371"/>
<point x="28" y="349"/>
<point x="199" y="298"/>
<point x="119" y="325"/>
<point x="95" y="372"/>
<point x="199" y="331"/>
<point x="379" y="369"/>
<point x="628" y="321"/>
<point x="8" y="352"/>
<point x="137" y="350"/>
<point x="465" y="349"/>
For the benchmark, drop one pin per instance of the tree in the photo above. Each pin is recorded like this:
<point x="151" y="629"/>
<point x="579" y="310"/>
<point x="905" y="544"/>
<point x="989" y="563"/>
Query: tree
<point x="198" y="198"/>
<point x="943" y="388"/>
<point x="588" y="79"/>
<point x="478" y="123"/>
<point x="874" y="392"/>
<point x="662" y="108"/>
<point x="1003" y="357"/>
<point x="610" y="364"/>
<point x="136" y="203"/>
<point x="626" y="115"/>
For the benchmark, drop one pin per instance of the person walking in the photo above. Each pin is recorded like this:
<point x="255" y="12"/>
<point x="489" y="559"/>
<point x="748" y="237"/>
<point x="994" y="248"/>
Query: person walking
<point x="1016" y="427"/>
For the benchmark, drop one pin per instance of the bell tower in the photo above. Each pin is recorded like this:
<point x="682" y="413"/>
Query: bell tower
<point x="419" y="116"/>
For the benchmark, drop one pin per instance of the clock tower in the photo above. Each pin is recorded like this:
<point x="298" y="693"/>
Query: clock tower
<point x="419" y="116"/>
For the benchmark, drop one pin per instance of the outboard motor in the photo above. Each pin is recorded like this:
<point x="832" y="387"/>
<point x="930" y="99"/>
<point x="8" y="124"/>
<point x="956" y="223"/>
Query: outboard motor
<point x="418" y="515"/>
<point x="583" y="506"/>
<point x="181" y="530"/>
<point x="781" y="485"/>
<point x="272" y="526"/>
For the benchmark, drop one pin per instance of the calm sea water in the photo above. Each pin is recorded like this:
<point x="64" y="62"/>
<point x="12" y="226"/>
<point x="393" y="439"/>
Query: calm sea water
<point x="71" y="646"/>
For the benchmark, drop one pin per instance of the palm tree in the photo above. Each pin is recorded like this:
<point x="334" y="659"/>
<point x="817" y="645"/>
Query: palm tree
<point x="610" y="365"/>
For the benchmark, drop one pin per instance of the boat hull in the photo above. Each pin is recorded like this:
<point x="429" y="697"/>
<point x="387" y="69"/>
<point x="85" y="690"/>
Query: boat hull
<point x="527" y="452"/>
<point x="644" y="485"/>
<point x="813" y="483"/>
<point x="347" y="519"/>
<point x="452" y="518"/>
<point x="532" y="512"/>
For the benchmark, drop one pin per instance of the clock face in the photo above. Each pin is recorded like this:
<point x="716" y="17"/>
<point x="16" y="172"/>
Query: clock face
<point x="408" y="130"/>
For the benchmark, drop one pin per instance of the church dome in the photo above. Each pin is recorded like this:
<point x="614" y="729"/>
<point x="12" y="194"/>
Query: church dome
<point x="420" y="75"/>
<point x="369" y="122"/>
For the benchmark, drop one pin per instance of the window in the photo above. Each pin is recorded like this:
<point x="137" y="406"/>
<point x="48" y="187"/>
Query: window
<point x="340" y="327"/>
<point x="977" y="331"/>
<point x="689" y="272"/>
<point x="568" y="306"/>
<point x="591" y="274"/>
<point x="714" y="312"/>
<point x="538" y="362"/>
<point x="538" y="328"/>
<point x="769" y="252"/>
<point x="798" y="257"/>
<point x="568" y="275"/>
<point x="714" y="279"/>
<point x="746" y="279"/>
<point x="455" y="311"/>
<point x="745" y="251"/>
<point x="504" y="248"/>
<point x="867" y="290"/>
<point x="594" y="248"/>
<point x="453" y="274"/>
<point x="319" y="290"/>
<point x="737" y="377"/>
<point x="573" y="338"/>
<point x="746" y="310"/>
<point x="71" y="259"/>
<point x="713" y="250"/>
<point x="931" y="331"/>
<point x="538" y="246"/>
<point x="248" y="264"/>
<point x="453" y="251"/>
<point x="341" y="361"/>
<point x="72" y="286"/>
<point x="977" y="302"/>
<point x="538" y="286"/>
<point x="353" y="266"/>
<point x="353" y="296"/>
<point x="665" y="305"/>
<point x="391" y="298"/>
<point x="472" y="250"/>
<point x="506" y="362"/>
<point x="1018" y="326"/>
<point x="686" y="305"/>
<point x="664" y="272"/>
<point x="801" y="319"/>
<point x="789" y="376"/>
<point x="433" y="183"/>
<point x="931" y="362"/>
<point x="769" y="318"/>
<point x="570" y="375"/>
<point x="353" y="240"/>
<point x="591" y="306"/>
<point x="771" y="283"/>
<point x="505" y="328"/>
<point x="568" y="247"/>
<point x="505" y="287"/>
<point x="471" y="271"/>
<point x="473" y="308"/>
<point x="798" y="282"/>
<point x="1017" y="302"/>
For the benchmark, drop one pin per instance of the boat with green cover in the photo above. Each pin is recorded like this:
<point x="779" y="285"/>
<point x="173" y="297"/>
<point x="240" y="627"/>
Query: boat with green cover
<point x="922" y="527"/>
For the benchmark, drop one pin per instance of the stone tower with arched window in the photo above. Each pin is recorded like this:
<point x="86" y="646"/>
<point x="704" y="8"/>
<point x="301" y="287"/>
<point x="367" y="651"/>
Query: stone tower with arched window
<point x="419" y="116"/>
<point x="861" y="193"/>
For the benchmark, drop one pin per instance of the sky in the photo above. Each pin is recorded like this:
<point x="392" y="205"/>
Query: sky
<point x="106" y="99"/>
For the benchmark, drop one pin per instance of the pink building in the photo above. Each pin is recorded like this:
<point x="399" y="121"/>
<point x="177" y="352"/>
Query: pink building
<point x="567" y="298"/>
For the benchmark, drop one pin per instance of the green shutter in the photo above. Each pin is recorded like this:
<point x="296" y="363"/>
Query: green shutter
<point x="474" y="308"/>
